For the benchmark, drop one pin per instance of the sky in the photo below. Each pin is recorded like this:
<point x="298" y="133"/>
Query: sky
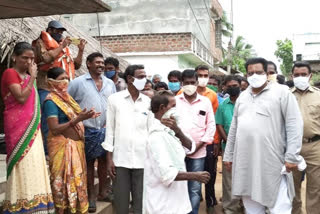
<point x="263" y="22"/>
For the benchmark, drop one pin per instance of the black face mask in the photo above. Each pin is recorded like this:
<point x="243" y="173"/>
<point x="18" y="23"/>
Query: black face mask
<point x="233" y="91"/>
<point x="56" y="36"/>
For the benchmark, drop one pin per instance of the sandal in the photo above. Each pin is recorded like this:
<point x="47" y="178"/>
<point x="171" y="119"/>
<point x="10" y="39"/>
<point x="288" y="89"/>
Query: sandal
<point x="92" y="207"/>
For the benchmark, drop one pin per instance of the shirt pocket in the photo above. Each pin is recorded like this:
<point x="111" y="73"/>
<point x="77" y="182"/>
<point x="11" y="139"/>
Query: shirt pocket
<point x="314" y="110"/>
<point x="262" y="111"/>
<point x="201" y="120"/>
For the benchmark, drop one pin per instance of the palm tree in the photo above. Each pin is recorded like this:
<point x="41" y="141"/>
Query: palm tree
<point x="241" y="52"/>
<point x="226" y="26"/>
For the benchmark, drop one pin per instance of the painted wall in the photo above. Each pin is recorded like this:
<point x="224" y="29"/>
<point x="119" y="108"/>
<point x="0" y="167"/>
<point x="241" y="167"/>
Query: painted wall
<point x="149" y="16"/>
<point x="160" y="64"/>
<point x="308" y="45"/>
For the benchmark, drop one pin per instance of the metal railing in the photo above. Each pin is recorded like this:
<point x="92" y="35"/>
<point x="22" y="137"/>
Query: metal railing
<point x="202" y="51"/>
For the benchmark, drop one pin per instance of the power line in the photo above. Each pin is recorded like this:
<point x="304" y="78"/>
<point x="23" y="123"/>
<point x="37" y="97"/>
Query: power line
<point x="204" y="2"/>
<point x="198" y="24"/>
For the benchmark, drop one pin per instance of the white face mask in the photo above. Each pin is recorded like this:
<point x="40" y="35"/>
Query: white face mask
<point x="171" y="112"/>
<point x="203" y="81"/>
<point x="189" y="89"/>
<point x="139" y="83"/>
<point x="256" y="81"/>
<point x="301" y="83"/>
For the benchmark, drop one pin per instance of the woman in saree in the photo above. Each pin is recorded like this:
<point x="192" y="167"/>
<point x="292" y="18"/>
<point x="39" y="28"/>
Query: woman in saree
<point x="66" y="145"/>
<point x="28" y="188"/>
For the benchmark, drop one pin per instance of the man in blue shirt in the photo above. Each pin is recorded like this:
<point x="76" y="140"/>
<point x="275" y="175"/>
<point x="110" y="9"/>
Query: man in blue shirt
<point x="91" y="90"/>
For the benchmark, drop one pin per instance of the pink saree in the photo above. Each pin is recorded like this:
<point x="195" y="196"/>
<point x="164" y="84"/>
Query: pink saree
<point x="21" y="125"/>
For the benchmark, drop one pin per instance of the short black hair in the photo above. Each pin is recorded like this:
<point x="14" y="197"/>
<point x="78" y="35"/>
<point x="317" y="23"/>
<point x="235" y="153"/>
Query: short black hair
<point x="21" y="47"/>
<point x="175" y="73"/>
<point x="112" y="61"/>
<point x="54" y="72"/>
<point x="94" y="55"/>
<point x="130" y="71"/>
<point x="301" y="64"/>
<point x="290" y="83"/>
<point x="244" y="80"/>
<point x="257" y="60"/>
<point x="189" y="73"/>
<point x="281" y="79"/>
<point x="201" y="67"/>
<point x="161" y="85"/>
<point x="160" y="98"/>
<point x="149" y="82"/>
<point x="217" y="78"/>
<point x="275" y="66"/>
<point x="232" y="77"/>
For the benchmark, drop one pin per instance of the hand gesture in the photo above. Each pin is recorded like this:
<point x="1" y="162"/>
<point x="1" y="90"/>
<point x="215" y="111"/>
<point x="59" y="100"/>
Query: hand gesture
<point x="33" y="69"/>
<point x="111" y="169"/>
<point x="97" y="114"/>
<point x="216" y="150"/>
<point x="171" y="123"/>
<point x="203" y="177"/>
<point x="228" y="165"/>
<point x="66" y="42"/>
<point x="84" y="115"/>
<point x="82" y="44"/>
<point x="290" y="166"/>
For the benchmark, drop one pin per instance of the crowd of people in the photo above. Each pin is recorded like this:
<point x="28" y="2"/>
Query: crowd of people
<point x="155" y="144"/>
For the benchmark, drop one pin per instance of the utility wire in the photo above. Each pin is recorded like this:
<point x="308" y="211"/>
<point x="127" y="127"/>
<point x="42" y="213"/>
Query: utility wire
<point x="198" y="24"/>
<point x="205" y="4"/>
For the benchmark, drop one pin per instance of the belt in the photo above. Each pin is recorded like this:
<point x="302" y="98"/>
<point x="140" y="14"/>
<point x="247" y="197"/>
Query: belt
<point x="311" y="140"/>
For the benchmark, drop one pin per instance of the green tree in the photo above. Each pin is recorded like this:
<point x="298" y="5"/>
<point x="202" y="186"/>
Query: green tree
<point x="226" y="26"/>
<point x="284" y="55"/>
<point x="241" y="52"/>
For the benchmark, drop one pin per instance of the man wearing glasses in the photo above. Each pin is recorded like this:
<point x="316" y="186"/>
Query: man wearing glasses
<point x="263" y="144"/>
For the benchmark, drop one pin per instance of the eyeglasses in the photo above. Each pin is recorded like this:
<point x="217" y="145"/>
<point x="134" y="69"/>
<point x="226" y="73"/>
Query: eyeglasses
<point x="256" y="72"/>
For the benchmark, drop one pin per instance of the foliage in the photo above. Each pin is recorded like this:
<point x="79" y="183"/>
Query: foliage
<point x="241" y="52"/>
<point x="284" y="55"/>
<point x="226" y="26"/>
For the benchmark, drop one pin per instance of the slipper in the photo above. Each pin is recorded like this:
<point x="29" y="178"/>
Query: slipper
<point x="108" y="198"/>
<point x="92" y="207"/>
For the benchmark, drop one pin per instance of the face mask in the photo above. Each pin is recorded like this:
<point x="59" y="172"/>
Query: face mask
<point x="139" y="83"/>
<point x="110" y="74"/>
<point x="203" y="81"/>
<point x="171" y="112"/>
<point x="189" y="89"/>
<point x="233" y="91"/>
<point x="213" y="88"/>
<point x="60" y="86"/>
<point x="256" y="81"/>
<point x="301" y="83"/>
<point x="272" y="77"/>
<point x="174" y="86"/>
<point x="56" y="36"/>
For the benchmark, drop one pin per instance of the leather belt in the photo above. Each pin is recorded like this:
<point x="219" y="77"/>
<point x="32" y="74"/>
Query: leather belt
<point x="311" y="140"/>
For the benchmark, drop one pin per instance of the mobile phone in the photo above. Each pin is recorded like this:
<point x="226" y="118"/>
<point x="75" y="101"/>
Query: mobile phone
<point x="75" y="41"/>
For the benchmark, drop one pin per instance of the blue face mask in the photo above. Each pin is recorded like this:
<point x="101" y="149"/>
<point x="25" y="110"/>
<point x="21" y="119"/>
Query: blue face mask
<point x="109" y="74"/>
<point x="174" y="86"/>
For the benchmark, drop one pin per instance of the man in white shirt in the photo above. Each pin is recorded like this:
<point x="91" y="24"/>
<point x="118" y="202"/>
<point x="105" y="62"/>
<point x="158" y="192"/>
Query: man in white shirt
<point x="126" y="138"/>
<point x="165" y="184"/>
